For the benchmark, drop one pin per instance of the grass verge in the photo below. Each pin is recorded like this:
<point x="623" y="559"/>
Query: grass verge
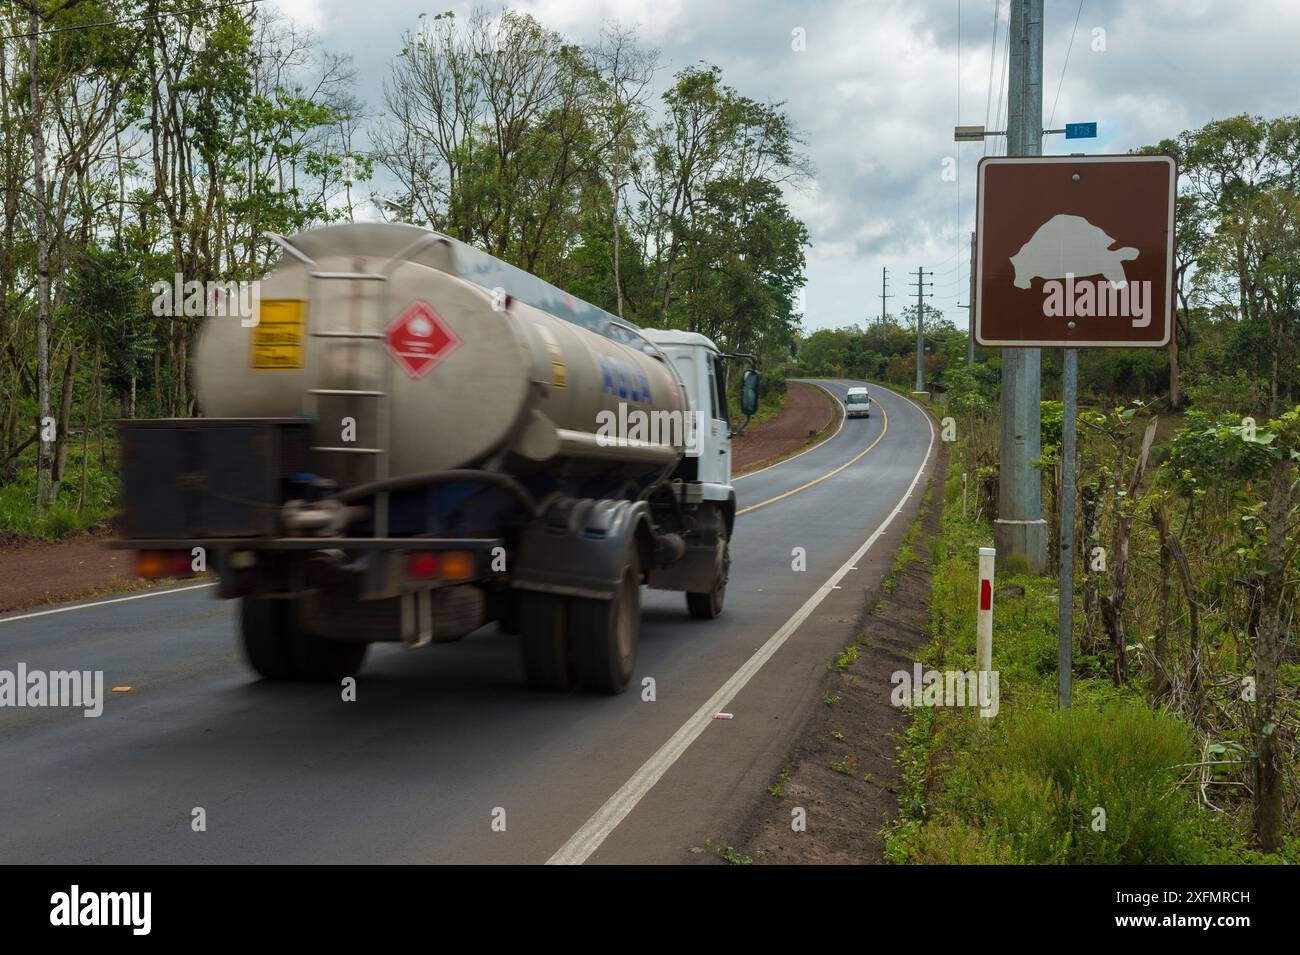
<point x="1111" y="781"/>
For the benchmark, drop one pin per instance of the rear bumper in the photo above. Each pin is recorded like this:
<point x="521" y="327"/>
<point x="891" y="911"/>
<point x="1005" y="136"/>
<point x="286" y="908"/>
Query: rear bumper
<point x="373" y="568"/>
<point x="220" y="544"/>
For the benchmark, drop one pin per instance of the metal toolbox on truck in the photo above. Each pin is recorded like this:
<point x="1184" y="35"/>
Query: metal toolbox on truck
<point x="209" y="477"/>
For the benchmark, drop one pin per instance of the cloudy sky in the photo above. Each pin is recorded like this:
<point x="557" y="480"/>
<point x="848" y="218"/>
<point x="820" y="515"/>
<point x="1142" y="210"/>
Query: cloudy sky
<point x="875" y="93"/>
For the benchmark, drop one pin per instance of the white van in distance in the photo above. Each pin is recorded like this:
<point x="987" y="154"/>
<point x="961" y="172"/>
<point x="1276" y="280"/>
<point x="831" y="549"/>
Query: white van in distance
<point x="857" y="403"/>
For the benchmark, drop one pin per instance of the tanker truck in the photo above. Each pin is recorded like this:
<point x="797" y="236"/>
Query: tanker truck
<point x="409" y="439"/>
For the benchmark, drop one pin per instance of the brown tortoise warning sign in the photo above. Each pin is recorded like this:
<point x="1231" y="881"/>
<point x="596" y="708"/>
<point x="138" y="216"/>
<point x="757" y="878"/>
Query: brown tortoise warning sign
<point x="1075" y="251"/>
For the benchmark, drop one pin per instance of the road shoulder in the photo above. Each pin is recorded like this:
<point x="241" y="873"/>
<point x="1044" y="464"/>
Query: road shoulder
<point x="840" y="766"/>
<point x="38" y="572"/>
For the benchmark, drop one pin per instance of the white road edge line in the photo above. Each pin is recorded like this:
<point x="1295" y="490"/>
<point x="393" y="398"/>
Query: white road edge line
<point x="100" y="603"/>
<point x="606" y="819"/>
<point x="843" y="418"/>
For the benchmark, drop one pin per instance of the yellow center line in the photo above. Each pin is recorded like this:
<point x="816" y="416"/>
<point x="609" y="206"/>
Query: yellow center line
<point x="828" y="474"/>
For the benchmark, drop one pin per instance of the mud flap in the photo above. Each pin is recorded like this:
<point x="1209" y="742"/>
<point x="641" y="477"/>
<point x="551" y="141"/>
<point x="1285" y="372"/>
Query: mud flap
<point x="578" y="547"/>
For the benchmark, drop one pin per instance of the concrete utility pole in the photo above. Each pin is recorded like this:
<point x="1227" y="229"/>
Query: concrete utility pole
<point x="970" y="308"/>
<point x="884" y="294"/>
<point x="1020" y="529"/>
<point x="921" y="285"/>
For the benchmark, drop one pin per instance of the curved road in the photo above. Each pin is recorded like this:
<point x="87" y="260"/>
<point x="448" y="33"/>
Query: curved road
<point x="443" y="741"/>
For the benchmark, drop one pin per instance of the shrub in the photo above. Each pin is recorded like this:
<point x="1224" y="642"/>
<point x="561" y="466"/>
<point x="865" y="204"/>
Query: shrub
<point x="956" y="844"/>
<point x="1235" y="394"/>
<point x="1206" y="454"/>
<point x="1057" y="769"/>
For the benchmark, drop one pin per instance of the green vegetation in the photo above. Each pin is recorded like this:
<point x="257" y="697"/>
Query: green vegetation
<point x="782" y="780"/>
<point x="730" y="856"/>
<point x="1158" y="759"/>
<point x="845" y="766"/>
<point x="71" y="510"/>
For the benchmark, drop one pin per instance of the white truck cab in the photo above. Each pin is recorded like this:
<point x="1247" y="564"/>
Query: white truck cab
<point x="702" y="368"/>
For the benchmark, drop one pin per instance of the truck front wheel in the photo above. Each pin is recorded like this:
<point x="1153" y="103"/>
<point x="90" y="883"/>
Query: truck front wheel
<point x="706" y="606"/>
<point x="606" y="634"/>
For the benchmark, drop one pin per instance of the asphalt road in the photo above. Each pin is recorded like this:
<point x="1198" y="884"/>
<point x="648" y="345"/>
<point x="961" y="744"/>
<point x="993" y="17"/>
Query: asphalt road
<point x="444" y="742"/>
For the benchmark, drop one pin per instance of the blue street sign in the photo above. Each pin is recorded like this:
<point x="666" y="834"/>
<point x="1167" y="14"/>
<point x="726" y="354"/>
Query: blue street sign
<point x="1080" y="130"/>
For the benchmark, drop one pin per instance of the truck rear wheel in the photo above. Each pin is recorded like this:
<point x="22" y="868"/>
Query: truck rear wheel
<point x="544" y="640"/>
<point x="606" y="634"/>
<point x="265" y="635"/>
<point x="324" y="660"/>
<point x="706" y="606"/>
<point x="277" y="647"/>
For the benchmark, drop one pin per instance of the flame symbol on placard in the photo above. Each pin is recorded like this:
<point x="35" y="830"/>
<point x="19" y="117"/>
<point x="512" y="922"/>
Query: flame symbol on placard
<point x="421" y="327"/>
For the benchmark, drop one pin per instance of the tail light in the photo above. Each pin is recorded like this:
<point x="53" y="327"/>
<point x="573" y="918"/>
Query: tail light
<point x="163" y="563"/>
<point x="440" y="565"/>
<point x="422" y="565"/>
<point x="457" y="565"/>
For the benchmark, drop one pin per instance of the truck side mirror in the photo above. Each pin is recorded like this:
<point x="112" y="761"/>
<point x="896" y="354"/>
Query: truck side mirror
<point x="749" y="392"/>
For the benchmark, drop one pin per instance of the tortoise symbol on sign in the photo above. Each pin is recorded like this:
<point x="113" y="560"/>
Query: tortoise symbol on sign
<point x="1068" y="245"/>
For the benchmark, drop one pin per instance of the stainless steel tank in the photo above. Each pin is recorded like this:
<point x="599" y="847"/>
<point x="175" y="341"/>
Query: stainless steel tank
<point x="416" y="353"/>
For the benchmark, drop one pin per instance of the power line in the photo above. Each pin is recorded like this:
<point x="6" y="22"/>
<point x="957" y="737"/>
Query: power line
<point x="140" y="19"/>
<point x="1065" y="65"/>
<point x="958" y="123"/>
<point x="1002" y="141"/>
<point x="993" y="58"/>
<point x="1004" y="74"/>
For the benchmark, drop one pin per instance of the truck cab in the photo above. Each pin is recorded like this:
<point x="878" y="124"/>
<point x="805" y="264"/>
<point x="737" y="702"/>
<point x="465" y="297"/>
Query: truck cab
<point x="702" y="370"/>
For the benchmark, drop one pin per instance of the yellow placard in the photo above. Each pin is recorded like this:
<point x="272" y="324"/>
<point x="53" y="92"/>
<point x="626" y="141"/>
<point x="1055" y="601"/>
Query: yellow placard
<point x="276" y="341"/>
<point x="559" y="374"/>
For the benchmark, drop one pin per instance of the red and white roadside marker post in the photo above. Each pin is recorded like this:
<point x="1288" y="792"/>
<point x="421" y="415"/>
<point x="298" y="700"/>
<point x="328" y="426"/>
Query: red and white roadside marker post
<point x="984" y="620"/>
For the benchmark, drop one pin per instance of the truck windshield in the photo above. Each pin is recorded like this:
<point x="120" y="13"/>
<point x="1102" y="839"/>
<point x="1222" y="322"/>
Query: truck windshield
<point x="858" y="399"/>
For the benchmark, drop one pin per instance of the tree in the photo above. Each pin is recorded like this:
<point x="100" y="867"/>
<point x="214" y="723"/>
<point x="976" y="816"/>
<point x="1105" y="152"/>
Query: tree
<point x="497" y="125"/>
<point x="1236" y="242"/>
<point x="1282" y="439"/>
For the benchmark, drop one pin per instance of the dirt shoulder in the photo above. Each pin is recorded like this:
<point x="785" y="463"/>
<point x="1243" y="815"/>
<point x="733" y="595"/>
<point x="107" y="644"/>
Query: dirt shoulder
<point x="35" y="571"/>
<point x="808" y="411"/>
<point x="841" y="770"/>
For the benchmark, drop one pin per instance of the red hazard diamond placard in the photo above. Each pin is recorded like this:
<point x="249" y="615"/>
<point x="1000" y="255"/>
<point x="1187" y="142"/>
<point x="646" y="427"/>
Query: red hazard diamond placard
<point x="418" y="339"/>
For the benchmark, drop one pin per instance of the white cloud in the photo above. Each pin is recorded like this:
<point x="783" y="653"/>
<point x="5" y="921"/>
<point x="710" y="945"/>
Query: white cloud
<point x="312" y="14"/>
<point x="875" y="94"/>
